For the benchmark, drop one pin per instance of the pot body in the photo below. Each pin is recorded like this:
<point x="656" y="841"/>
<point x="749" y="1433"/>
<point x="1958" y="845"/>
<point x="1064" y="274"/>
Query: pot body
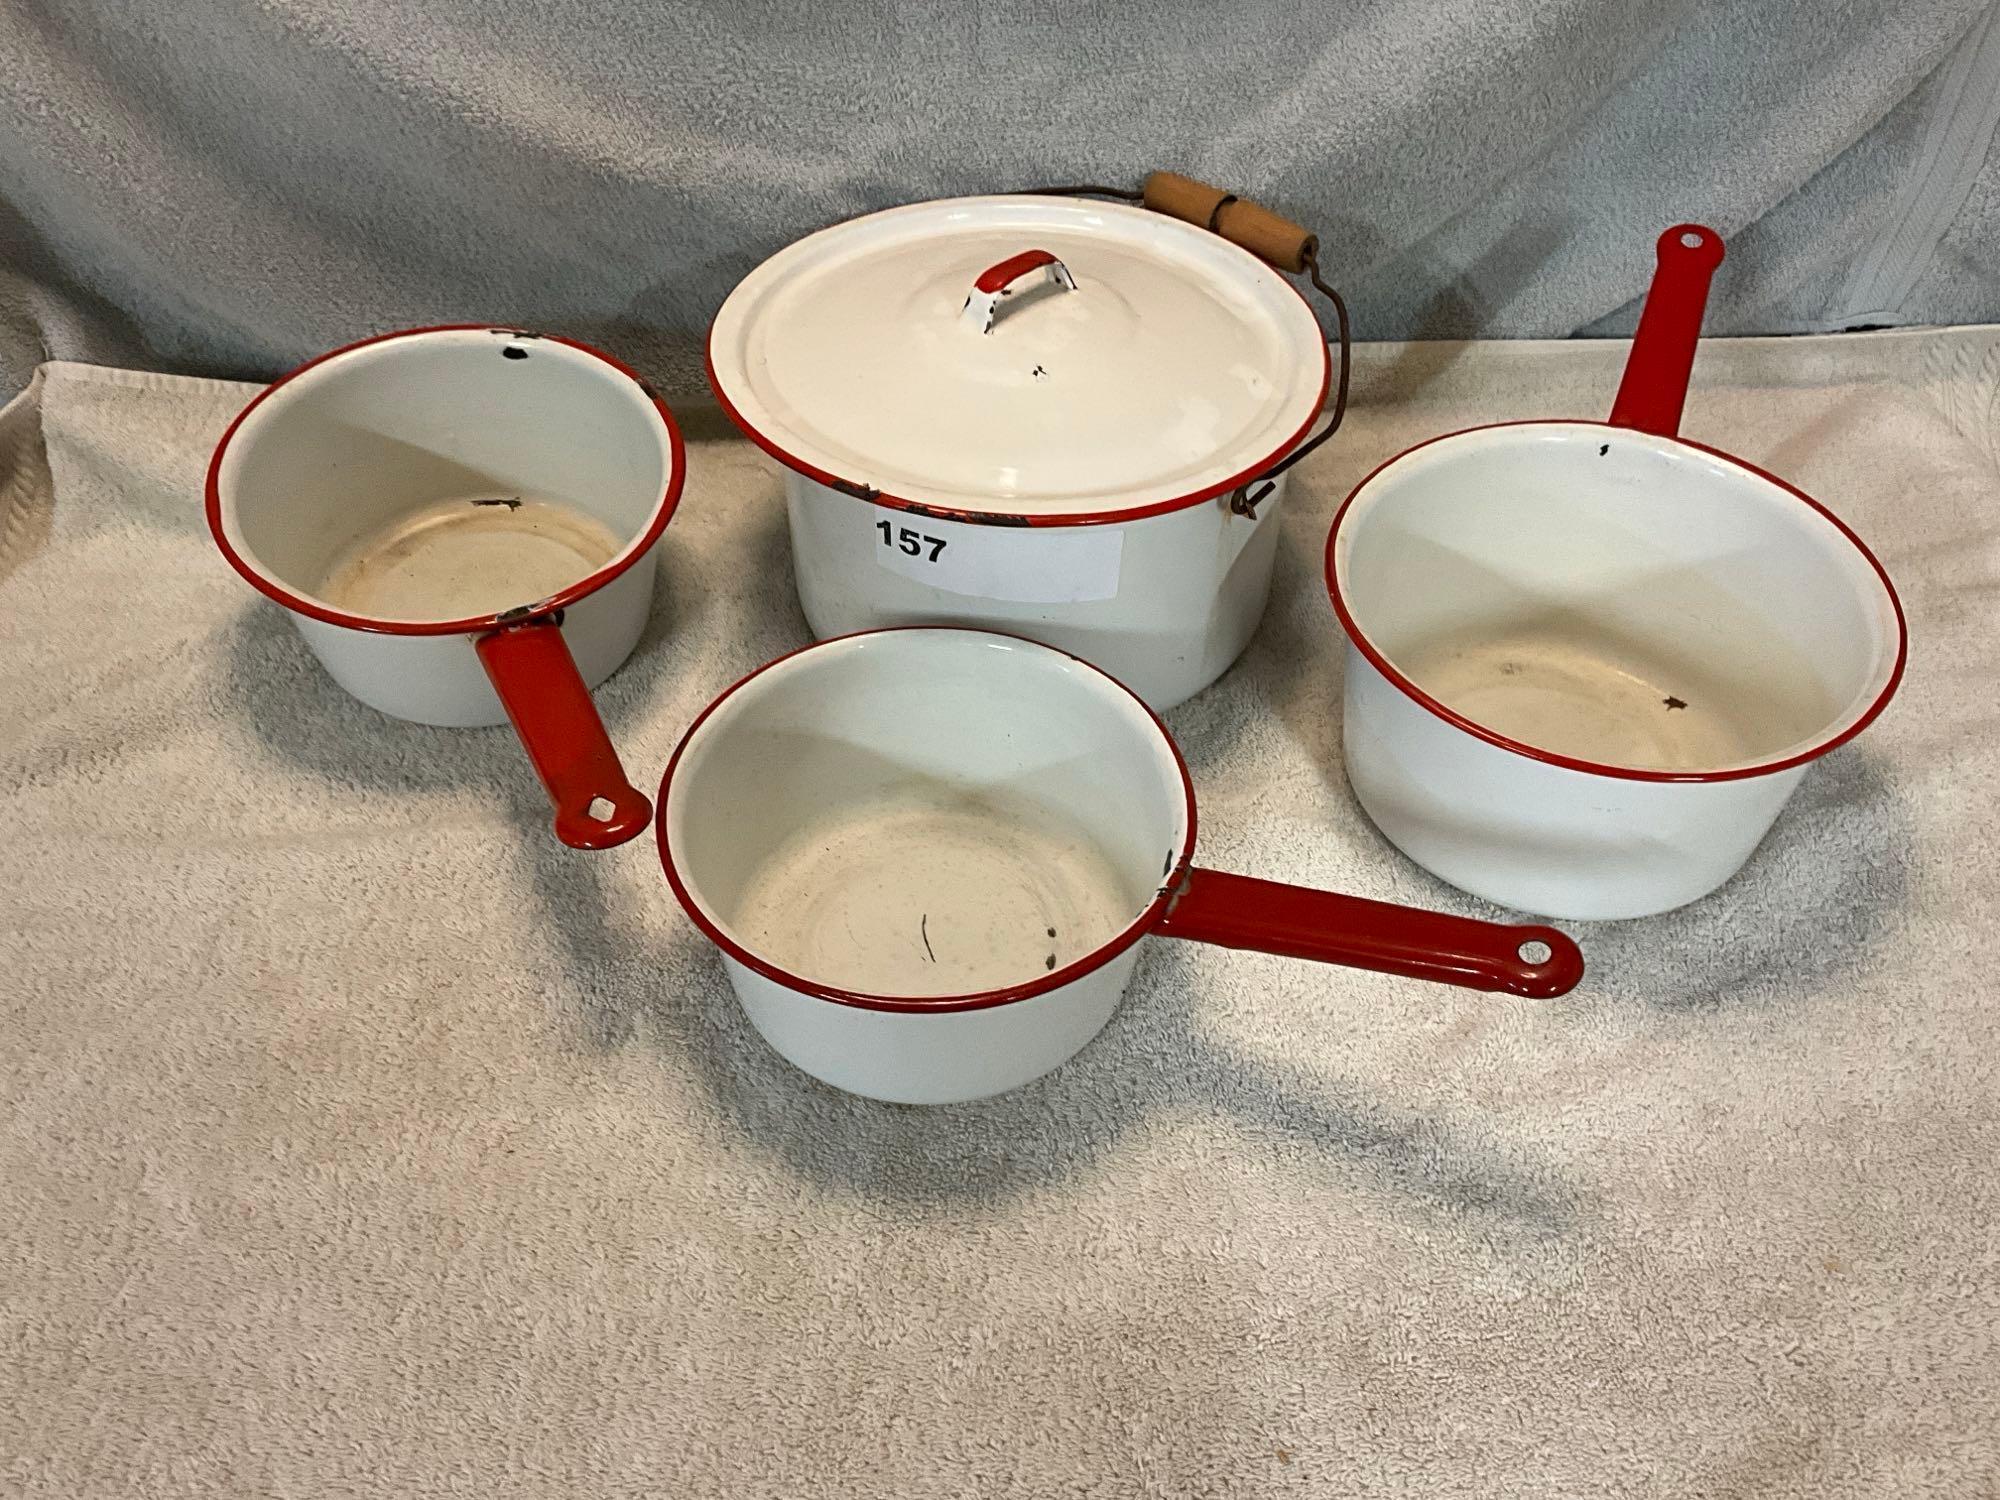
<point x="1164" y="603"/>
<point x="1587" y="665"/>
<point x="439" y="679"/>
<point x="913" y="1057"/>
<point x="928" y="856"/>
<point x="1537" y="836"/>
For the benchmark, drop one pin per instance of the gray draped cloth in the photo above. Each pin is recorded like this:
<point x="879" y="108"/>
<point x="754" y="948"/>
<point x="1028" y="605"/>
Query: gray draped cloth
<point x="227" y="187"/>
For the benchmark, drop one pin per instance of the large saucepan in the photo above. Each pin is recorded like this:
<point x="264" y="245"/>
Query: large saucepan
<point x="1589" y="661"/>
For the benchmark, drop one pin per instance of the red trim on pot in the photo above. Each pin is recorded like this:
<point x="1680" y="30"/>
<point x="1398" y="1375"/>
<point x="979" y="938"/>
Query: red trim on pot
<point x="868" y="492"/>
<point x="628" y="555"/>
<point x="1148" y="918"/>
<point x="1431" y="705"/>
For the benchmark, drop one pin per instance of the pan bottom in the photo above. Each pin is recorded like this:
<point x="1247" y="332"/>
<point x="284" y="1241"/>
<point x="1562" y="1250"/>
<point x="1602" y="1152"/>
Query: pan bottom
<point x="932" y="890"/>
<point x="473" y="556"/>
<point x="1577" y="692"/>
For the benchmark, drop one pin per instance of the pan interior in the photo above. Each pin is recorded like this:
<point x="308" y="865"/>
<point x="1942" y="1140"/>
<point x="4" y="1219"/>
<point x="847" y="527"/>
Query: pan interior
<point x="932" y="888"/>
<point x="1618" y="598"/>
<point x="921" y="813"/>
<point x="444" y="474"/>
<point x="471" y="555"/>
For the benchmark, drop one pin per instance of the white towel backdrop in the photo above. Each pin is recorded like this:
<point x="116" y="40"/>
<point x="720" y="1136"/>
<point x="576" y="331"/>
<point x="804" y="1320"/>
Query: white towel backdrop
<point x="228" y="186"/>
<point x="358" y="1140"/>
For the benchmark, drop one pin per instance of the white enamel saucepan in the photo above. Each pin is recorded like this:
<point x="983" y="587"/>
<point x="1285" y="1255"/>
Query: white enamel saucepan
<point x="1589" y="661"/>
<point x="928" y="856"/>
<point x="461" y="523"/>
<point x="1062" y="418"/>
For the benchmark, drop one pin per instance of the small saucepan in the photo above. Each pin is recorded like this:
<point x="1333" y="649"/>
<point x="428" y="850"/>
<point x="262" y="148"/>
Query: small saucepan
<point x="462" y="524"/>
<point x="928" y="856"/>
<point x="1589" y="661"/>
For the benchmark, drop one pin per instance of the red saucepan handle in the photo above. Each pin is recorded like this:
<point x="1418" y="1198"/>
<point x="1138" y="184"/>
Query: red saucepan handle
<point x="1656" y="371"/>
<point x="531" y="669"/>
<point x="1235" y="911"/>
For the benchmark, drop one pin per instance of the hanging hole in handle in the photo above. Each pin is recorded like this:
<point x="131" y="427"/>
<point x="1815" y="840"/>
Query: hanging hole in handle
<point x="603" y="809"/>
<point x="1534" y="952"/>
<point x="1690" y="239"/>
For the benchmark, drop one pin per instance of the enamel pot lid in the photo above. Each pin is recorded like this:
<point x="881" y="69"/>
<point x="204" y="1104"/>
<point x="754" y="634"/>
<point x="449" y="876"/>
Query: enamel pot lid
<point x="1053" y="361"/>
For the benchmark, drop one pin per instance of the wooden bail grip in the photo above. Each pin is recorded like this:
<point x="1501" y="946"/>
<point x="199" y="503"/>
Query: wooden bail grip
<point x="1286" y="245"/>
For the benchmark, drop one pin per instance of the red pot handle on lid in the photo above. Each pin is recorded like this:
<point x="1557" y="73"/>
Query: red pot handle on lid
<point x="982" y="305"/>
<point x="1236" y="911"/>
<point x="1655" y="386"/>
<point x="531" y="669"/>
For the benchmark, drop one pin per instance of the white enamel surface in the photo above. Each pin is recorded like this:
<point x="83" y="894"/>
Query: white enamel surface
<point x="920" y="814"/>
<point x="452" y="560"/>
<point x="1612" y="597"/>
<point x="1539" y="837"/>
<point x="929" y="887"/>
<point x="932" y="1059"/>
<point x="438" y="679"/>
<point x="1188" y="587"/>
<point x="1177" y="362"/>
<point x="323" y="485"/>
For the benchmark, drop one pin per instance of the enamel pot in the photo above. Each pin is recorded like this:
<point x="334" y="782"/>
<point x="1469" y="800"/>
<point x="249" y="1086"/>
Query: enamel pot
<point x="1588" y="662"/>
<point x="1056" y="417"/>
<point x="462" y="524"/>
<point x="928" y="856"/>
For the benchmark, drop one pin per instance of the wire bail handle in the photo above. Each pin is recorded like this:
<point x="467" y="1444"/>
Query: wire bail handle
<point x="1283" y="245"/>
<point x="1280" y="243"/>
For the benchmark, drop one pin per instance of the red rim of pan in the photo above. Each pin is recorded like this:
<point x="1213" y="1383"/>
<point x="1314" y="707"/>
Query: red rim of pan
<point x="1140" y="925"/>
<point x="627" y="556"/>
<point x="1431" y="705"/>
<point x="860" y="491"/>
